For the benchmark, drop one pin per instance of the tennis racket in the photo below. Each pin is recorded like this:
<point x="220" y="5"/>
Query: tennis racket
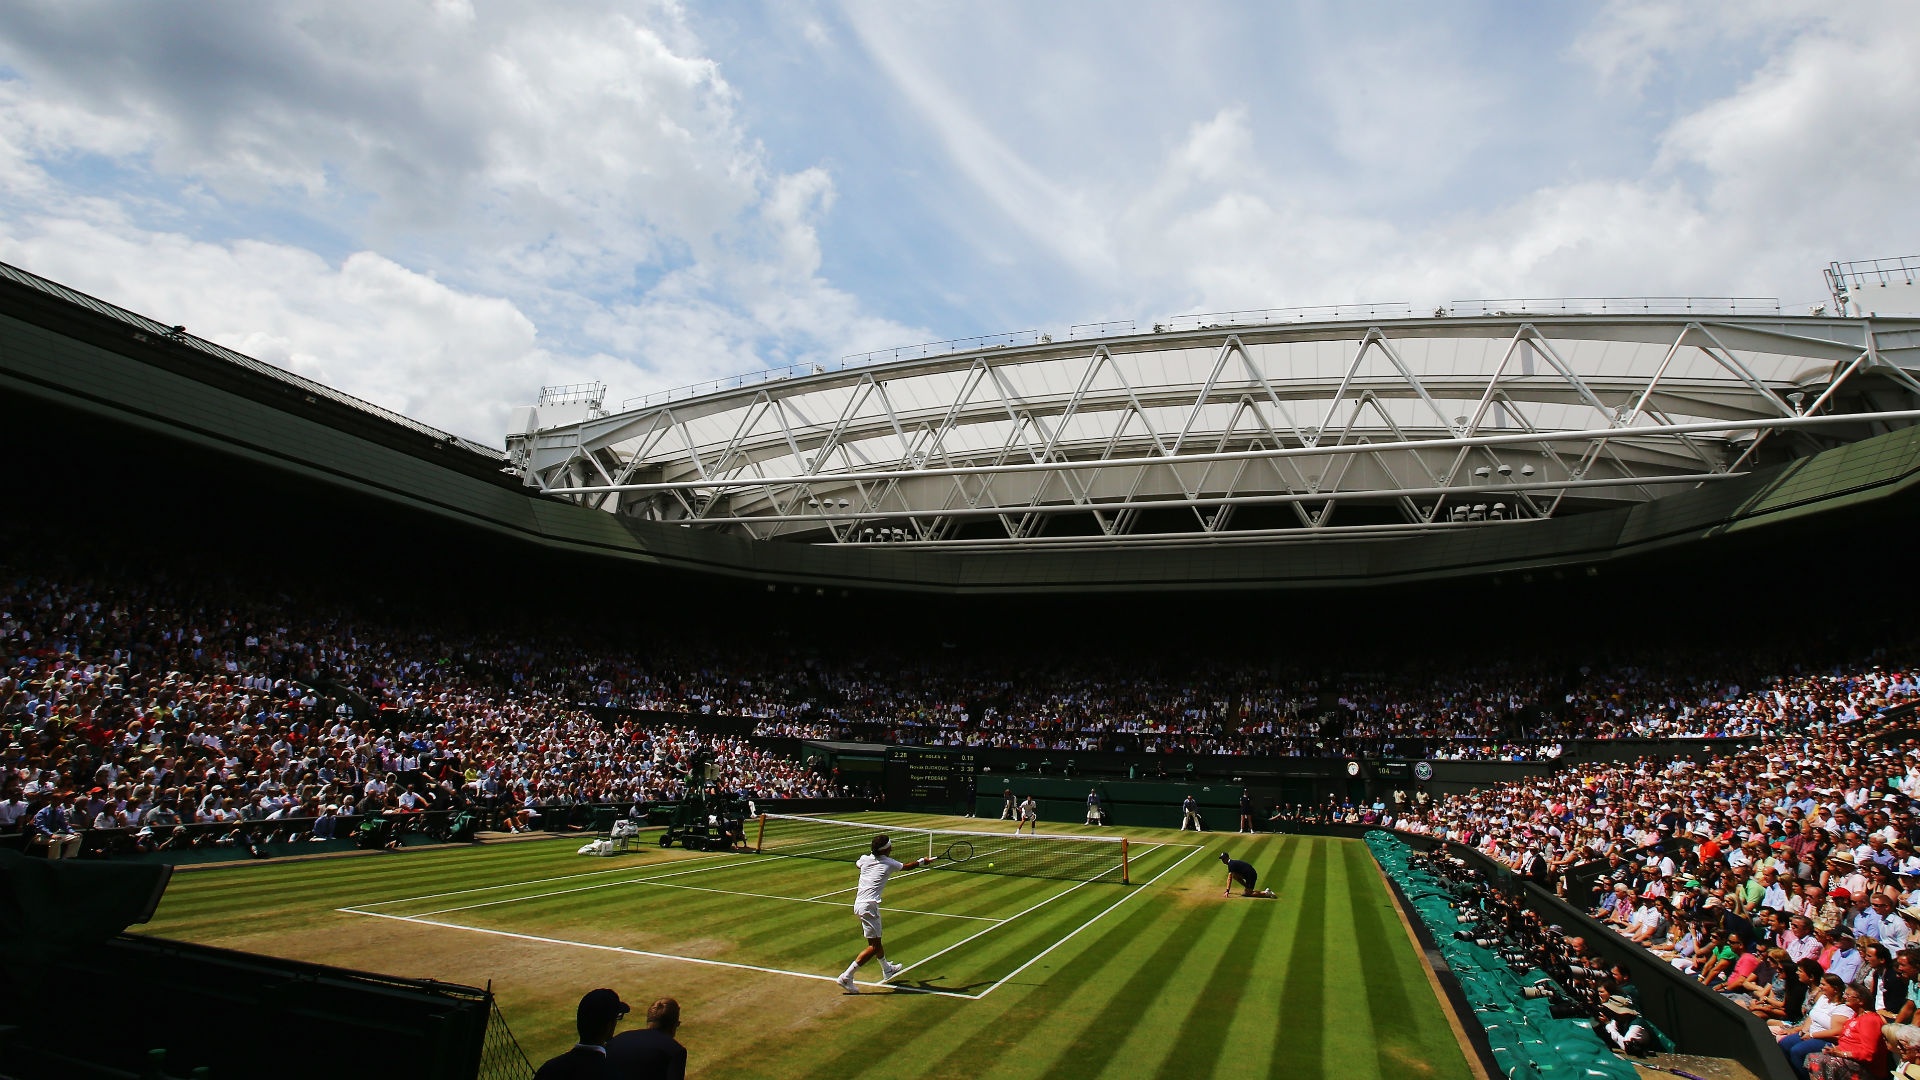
<point x="959" y="851"/>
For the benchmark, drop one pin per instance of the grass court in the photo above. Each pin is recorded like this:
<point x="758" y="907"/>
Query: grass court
<point x="1007" y="976"/>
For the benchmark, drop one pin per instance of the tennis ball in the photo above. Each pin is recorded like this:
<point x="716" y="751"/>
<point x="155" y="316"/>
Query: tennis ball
<point x="989" y="866"/>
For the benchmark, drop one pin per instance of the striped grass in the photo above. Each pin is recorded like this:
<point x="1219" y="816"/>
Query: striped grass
<point x="1010" y="977"/>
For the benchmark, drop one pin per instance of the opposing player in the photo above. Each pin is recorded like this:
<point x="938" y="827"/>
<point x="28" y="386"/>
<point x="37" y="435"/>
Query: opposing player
<point x="1029" y="816"/>
<point x="875" y="869"/>
<point x="1246" y="875"/>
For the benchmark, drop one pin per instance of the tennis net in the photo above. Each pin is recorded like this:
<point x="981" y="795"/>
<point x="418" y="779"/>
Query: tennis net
<point x="973" y="851"/>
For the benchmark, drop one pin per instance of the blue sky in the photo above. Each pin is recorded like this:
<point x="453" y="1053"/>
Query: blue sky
<point x="443" y="206"/>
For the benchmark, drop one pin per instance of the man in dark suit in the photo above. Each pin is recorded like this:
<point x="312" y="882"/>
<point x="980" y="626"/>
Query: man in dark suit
<point x="599" y="1011"/>
<point x="651" y="1053"/>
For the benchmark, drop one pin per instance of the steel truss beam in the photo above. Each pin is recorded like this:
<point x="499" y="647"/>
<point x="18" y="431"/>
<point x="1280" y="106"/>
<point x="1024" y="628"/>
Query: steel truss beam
<point x="1113" y="430"/>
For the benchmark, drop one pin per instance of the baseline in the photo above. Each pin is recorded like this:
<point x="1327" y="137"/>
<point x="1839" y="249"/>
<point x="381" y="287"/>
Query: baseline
<point x="653" y="955"/>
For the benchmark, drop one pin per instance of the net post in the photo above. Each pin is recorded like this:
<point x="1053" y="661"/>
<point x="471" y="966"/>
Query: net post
<point x="1124" y="878"/>
<point x="760" y="838"/>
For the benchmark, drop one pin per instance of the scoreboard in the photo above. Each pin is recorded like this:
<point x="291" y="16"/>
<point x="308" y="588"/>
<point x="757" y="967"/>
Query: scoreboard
<point x="931" y="778"/>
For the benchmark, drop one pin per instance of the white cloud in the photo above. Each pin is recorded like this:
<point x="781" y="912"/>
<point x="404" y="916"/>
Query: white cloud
<point x="1050" y="213"/>
<point x="367" y="326"/>
<point x="555" y="166"/>
<point x="1781" y="145"/>
<point x="1819" y="141"/>
<point x="440" y="207"/>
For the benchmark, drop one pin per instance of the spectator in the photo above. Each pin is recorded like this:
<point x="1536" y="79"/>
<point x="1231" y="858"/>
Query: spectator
<point x="1827" y="1016"/>
<point x="1857" y="1053"/>
<point x="598" y="1014"/>
<point x="652" y="1052"/>
<point x="56" y="828"/>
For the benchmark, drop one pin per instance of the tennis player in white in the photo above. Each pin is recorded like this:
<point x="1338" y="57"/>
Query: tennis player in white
<point x="875" y="869"/>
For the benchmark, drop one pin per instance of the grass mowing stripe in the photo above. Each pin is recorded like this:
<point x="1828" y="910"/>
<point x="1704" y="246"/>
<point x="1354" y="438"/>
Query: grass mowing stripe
<point x="1202" y="1039"/>
<point x="1089" y="922"/>
<point x="1070" y="994"/>
<point x="1075" y="989"/>
<point x="1256" y="1006"/>
<point x="1036" y="1025"/>
<point x="667" y="872"/>
<point x="1054" y="914"/>
<point x="1346" y="999"/>
<point x="1303" y="995"/>
<point x="1100" y="1039"/>
<point x="1002" y="955"/>
<point x="569" y="943"/>
<point x="1399" y="1047"/>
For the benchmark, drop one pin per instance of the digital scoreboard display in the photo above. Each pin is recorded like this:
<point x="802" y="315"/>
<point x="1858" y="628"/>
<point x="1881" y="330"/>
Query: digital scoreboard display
<point x="933" y="777"/>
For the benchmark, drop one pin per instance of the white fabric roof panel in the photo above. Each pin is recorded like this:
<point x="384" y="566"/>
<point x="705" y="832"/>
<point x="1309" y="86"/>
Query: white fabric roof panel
<point x="1391" y="386"/>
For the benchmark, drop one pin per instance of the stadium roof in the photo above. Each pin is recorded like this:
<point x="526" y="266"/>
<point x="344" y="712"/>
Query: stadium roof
<point x="1844" y="450"/>
<point x="1501" y="414"/>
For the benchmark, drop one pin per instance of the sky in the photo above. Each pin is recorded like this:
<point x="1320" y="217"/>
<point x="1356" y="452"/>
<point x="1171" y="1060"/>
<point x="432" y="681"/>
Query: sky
<point x="443" y="206"/>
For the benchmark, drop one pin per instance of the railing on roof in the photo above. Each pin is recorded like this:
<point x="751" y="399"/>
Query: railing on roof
<point x="1615" y="305"/>
<point x="1008" y="340"/>
<point x="1618" y="305"/>
<point x="1904" y="270"/>
<point x="1265" y="316"/>
<point x="1111" y="328"/>
<point x="591" y="394"/>
<point x="852" y="360"/>
<point x="178" y="334"/>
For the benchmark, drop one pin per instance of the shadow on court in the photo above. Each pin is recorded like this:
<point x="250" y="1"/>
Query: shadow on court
<point x="934" y="985"/>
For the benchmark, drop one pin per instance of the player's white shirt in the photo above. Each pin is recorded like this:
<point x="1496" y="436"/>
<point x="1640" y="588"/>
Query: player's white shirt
<point x="874" y="872"/>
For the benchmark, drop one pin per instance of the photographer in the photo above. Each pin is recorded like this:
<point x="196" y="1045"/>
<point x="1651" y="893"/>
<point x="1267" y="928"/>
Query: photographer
<point x="1623" y="1029"/>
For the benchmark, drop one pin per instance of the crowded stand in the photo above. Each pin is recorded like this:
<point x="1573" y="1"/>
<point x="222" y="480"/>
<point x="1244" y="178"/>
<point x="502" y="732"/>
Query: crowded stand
<point x="1215" y="707"/>
<point x="1784" y="875"/>
<point x="195" y="701"/>
<point x="138" y="713"/>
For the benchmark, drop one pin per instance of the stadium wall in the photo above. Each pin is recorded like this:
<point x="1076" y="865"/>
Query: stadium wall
<point x="84" y="358"/>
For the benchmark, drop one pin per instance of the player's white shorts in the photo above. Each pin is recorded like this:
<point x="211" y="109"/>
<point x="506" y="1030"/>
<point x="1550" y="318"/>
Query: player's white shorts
<point x="869" y="916"/>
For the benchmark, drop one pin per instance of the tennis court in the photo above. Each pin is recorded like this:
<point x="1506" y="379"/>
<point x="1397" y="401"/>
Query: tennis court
<point x="962" y="930"/>
<point x="1007" y="975"/>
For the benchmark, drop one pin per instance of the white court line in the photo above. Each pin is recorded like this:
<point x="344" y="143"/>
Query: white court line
<point x="783" y="971"/>
<point x="795" y="900"/>
<point x="567" y="892"/>
<point x="652" y="955"/>
<point x="1037" y="907"/>
<point x="539" y="881"/>
<point x="656" y="881"/>
<point x="1008" y="919"/>
<point x="1076" y="930"/>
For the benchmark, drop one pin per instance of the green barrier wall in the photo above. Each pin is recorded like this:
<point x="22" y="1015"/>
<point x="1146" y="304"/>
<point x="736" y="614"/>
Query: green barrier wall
<point x="1150" y="803"/>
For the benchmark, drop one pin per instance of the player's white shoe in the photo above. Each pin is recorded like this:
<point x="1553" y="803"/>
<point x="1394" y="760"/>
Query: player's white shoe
<point x="846" y="983"/>
<point x="889" y="969"/>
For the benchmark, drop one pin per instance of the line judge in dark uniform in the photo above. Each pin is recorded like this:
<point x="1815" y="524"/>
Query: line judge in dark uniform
<point x="595" y="1019"/>
<point x="651" y="1053"/>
